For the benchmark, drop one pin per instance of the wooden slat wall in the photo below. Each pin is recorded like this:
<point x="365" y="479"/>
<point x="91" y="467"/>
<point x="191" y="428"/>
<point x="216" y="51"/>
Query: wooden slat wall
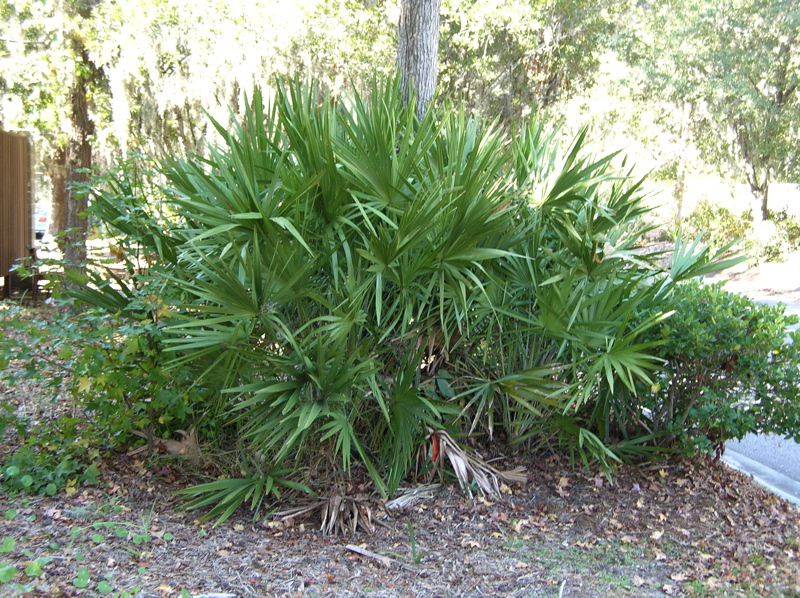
<point x="16" y="225"/>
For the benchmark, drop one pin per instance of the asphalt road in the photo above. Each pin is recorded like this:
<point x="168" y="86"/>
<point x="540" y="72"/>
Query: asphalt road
<point x="771" y="460"/>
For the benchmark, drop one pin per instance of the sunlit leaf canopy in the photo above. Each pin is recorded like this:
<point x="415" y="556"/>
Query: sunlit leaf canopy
<point x="164" y="62"/>
<point x="686" y="84"/>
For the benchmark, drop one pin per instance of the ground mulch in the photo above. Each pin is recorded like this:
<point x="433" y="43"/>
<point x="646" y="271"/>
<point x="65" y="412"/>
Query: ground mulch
<point x="689" y="528"/>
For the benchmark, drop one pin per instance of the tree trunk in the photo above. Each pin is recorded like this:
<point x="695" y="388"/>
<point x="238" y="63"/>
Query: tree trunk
<point x="759" y="179"/>
<point x="418" y="50"/>
<point x="70" y="161"/>
<point x="761" y="195"/>
<point x="684" y="139"/>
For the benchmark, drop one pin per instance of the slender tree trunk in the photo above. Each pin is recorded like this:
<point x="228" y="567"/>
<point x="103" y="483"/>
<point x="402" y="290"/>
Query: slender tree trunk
<point x="756" y="165"/>
<point x="761" y="195"/>
<point x="687" y="112"/>
<point x="418" y="51"/>
<point x="759" y="180"/>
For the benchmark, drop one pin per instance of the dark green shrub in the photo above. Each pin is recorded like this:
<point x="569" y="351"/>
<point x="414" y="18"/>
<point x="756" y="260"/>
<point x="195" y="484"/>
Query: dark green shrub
<point x="728" y="370"/>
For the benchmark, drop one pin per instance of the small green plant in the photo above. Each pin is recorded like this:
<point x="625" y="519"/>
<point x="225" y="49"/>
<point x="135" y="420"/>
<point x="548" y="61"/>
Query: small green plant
<point x="7" y="572"/>
<point x="36" y="567"/>
<point x="104" y="587"/>
<point x="82" y="578"/>
<point x="415" y="554"/>
<point x="52" y="454"/>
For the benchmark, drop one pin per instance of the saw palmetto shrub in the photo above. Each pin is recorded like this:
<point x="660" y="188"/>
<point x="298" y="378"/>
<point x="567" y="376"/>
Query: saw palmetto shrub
<point x="343" y="280"/>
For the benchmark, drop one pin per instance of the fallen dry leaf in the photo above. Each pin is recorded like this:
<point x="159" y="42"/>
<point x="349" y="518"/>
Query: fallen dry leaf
<point x="517" y="527"/>
<point x="656" y="535"/>
<point x="669" y="589"/>
<point x="165" y="589"/>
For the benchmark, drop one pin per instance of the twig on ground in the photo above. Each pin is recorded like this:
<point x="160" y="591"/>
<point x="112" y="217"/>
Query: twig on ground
<point x="383" y="560"/>
<point x="413" y="496"/>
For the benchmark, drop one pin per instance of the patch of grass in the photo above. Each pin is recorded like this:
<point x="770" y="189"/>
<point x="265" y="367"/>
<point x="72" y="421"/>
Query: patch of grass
<point x="23" y="563"/>
<point x="603" y="568"/>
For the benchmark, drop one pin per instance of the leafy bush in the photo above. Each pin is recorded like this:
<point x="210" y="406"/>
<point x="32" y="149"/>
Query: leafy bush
<point x="727" y="370"/>
<point x="717" y="222"/>
<point x="111" y="367"/>
<point x="107" y="356"/>
<point x="785" y="239"/>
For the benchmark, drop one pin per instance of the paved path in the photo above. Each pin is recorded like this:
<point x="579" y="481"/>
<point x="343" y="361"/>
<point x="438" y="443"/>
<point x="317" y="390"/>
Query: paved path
<point x="773" y="461"/>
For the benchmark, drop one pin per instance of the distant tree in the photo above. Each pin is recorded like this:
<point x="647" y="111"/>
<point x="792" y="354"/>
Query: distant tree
<point x="734" y="67"/>
<point x="418" y="50"/>
<point x="344" y="44"/>
<point x="49" y="80"/>
<point x="756" y="65"/>
<point x="72" y="159"/>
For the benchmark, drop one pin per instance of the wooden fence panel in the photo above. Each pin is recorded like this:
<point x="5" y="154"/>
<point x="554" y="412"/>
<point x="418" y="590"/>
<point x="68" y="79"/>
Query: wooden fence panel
<point x="16" y="224"/>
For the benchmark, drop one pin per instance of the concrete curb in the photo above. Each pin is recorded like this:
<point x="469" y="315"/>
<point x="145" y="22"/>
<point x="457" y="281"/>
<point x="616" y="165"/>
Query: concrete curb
<point x="772" y="480"/>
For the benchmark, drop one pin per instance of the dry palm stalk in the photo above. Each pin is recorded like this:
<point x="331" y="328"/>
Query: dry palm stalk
<point x="383" y="560"/>
<point x="338" y="514"/>
<point x="469" y="467"/>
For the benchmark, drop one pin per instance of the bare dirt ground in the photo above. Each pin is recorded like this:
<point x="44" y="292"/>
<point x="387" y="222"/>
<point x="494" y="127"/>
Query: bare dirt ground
<point x="669" y="529"/>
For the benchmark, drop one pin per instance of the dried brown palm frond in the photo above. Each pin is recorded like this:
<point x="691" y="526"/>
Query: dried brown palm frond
<point x="412" y="496"/>
<point x="470" y="467"/>
<point x="338" y="514"/>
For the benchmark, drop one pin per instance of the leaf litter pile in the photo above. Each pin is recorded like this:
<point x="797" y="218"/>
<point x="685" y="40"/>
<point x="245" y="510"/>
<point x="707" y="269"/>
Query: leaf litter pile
<point x="670" y="529"/>
<point x="682" y="529"/>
